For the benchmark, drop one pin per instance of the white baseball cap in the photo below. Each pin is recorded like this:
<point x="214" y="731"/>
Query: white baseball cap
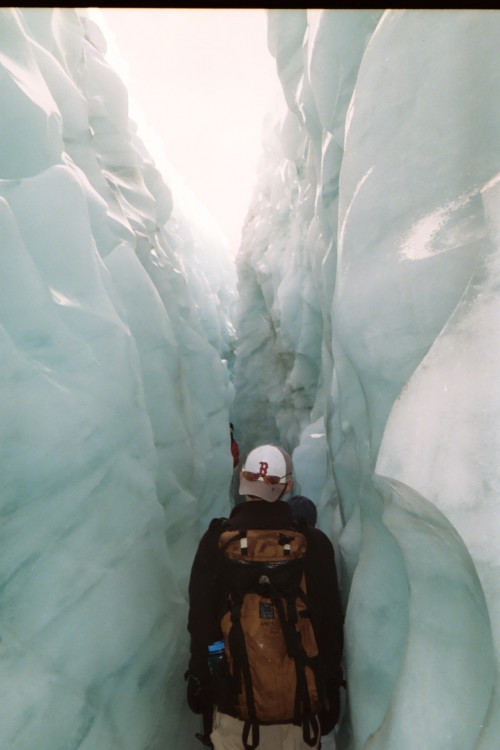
<point x="266" y="472"/>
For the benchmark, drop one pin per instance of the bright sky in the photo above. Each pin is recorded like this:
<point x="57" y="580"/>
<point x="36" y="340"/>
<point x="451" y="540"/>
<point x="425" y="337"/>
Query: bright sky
<point x="204" y="81"/>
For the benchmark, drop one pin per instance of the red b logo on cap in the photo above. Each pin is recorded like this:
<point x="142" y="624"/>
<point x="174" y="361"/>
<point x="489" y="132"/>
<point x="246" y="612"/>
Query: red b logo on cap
<point x="263" y="468"/>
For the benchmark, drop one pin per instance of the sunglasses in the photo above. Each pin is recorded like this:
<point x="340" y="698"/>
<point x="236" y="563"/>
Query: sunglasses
<point x="252" y="476"/>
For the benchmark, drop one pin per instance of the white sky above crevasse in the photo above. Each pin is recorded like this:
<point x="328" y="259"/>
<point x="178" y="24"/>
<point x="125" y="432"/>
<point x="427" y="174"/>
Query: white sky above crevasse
<point x="200" y="83"/>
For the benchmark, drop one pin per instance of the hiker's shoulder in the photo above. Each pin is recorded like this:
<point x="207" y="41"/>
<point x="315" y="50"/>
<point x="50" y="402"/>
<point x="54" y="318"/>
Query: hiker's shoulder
<point x="218" y="524"/>
<point x="319" y="542"/>
<point x="216" y="527"/>
<point x="210" y="538"/>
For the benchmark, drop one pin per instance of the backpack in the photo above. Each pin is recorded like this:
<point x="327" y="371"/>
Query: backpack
<point x="275" y="672"/>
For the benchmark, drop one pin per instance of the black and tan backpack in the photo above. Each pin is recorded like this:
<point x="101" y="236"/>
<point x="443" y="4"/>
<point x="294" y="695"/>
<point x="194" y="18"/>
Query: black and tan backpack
<point x="274" y="668"/>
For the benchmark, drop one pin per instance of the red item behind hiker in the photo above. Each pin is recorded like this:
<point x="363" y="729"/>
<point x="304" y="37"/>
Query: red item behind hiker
<point x="235" y="451"/>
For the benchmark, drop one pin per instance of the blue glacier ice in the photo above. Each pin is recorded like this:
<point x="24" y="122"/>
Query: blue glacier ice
<point x="368" y="335"/>
<point x="358" y="327"/>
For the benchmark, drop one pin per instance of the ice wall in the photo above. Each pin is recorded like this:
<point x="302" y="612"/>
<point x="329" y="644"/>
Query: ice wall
<point x="114" y="341"/>
<point x="368" y="337"/>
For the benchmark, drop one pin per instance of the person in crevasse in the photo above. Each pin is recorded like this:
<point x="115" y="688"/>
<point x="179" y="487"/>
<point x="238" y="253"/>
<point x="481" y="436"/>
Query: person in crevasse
<point x="235" y="451"/>
<point x="266" y="477"/>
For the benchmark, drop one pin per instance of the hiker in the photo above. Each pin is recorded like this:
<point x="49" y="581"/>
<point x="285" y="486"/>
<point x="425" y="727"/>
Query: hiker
<point x="251" y="709"/>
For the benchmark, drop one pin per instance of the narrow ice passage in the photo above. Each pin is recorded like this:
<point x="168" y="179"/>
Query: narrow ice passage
<point x="358" y="329"/>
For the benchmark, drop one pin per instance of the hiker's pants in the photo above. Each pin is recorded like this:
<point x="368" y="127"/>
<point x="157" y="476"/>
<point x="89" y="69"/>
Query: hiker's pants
<point x="227" y="735"/>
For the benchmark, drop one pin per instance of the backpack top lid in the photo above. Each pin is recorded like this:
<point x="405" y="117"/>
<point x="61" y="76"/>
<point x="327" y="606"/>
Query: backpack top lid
<point x="263" y="463"/>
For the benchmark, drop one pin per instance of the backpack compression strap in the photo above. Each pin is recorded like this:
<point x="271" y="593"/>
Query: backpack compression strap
<point x="241" y="667"/>
<point x="302" y="707"/>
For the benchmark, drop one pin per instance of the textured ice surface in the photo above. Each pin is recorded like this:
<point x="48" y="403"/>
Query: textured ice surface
<point x="368" y="345"/>
<point x="114" y="332"/>
<point x="368" y="323"/>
